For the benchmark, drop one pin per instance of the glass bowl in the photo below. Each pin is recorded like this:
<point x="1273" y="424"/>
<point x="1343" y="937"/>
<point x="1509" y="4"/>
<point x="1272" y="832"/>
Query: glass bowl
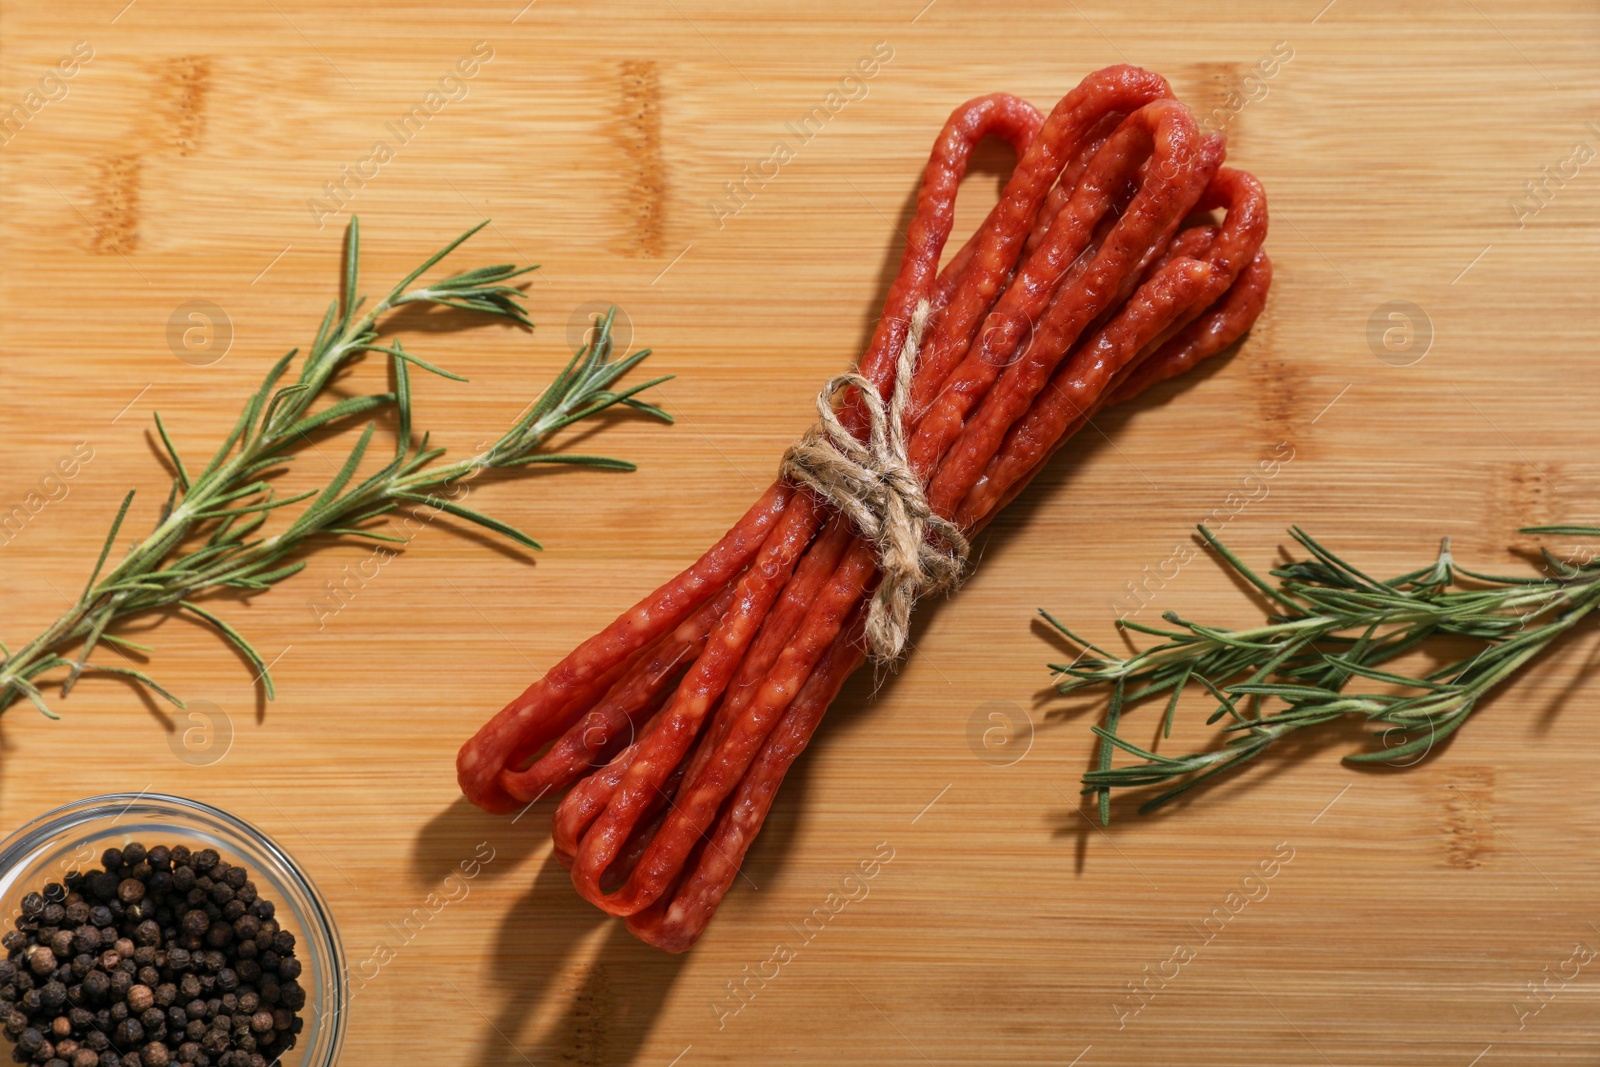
<point x="73" y="838"/>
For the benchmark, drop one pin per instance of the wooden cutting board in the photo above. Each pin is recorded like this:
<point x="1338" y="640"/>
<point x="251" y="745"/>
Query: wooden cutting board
<point x="213" y="153"/>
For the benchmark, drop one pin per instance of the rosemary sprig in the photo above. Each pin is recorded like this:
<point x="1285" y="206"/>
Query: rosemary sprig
<point x="1325" y="654"/>
<point x="206" y="536"/>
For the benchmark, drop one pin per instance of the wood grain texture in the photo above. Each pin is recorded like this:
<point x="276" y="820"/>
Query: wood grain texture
<point x="1417" y="907"/>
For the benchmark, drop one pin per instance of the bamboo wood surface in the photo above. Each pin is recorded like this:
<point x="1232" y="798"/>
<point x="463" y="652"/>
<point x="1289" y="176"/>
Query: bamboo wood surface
<point x="1415" y="907"/>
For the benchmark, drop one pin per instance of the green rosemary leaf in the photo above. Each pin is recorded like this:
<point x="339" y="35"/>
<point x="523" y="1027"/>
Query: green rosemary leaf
<point x="1246" y="753"/>
<point x="1287" y="692"/>
<point x="346" y="531"/>
<point x="354" y="405"/>
<point x="105" y="549"/>
<point x="1225" y="704"/>
<point x="398" y="352"/>
<point x="1177" y="693"/>
<point x="1154" y="631"/>
<point x="651" y="409"/>
<point x="123" y="642"/>
<point x="31" y="691"/>
<point x="574" y="459"/>
<point x="243" y="491"/>
<point x="478" y="517"/>
<point x="1563" y="530"/>
<point x="1129" y="746"/>
<point x="325" y="334"/>
<point x="1328" y="558"/>
<point x="352" y="259"/>
<point x="341" y="479"/>
<point x="137" y="675"/>
<point x="287" y="395"/>
<point x="1275" y="595"/>
<point x="402" y="403"/>
<point x="238" y="642"/>
<point x="431" y="261"/>
<point x="1108" y="738"/>
<point x="181" y="474"/>
<point x="1090" y="645"/>
<point x="246" y="429"/>
<point x="1351" y="666"/>
<point x="271" y="504"/>
<point x="277" y="574"/>
<point x="1438" y="730"/>
<point x="1500" y="579"/>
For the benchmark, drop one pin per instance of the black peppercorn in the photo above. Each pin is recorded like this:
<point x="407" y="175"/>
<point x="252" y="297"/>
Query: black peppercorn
<point x="129" y="1033"/>
<point x="85" y="939"/>
<point x="96" y="984"/>
<point x="61" y="944"/>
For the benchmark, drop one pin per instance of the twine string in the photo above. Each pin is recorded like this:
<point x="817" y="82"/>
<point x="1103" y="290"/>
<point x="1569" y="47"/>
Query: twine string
<point x="873" y="485"/>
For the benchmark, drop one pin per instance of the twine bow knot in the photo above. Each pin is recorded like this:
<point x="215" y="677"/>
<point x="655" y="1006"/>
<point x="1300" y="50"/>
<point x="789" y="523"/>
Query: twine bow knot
<point x="873" y="484"/>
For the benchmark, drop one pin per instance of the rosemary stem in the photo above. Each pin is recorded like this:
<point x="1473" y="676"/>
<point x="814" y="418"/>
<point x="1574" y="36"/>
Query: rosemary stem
<point x="203" y="539"/>
<point x="1336" y="628"/>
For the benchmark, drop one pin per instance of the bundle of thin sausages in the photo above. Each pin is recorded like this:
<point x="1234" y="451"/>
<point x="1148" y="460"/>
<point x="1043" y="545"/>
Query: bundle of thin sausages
<point x="1100" y="272"/>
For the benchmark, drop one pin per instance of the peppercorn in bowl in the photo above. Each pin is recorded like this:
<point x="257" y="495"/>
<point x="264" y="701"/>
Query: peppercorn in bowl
<point x="142" y="930"/>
